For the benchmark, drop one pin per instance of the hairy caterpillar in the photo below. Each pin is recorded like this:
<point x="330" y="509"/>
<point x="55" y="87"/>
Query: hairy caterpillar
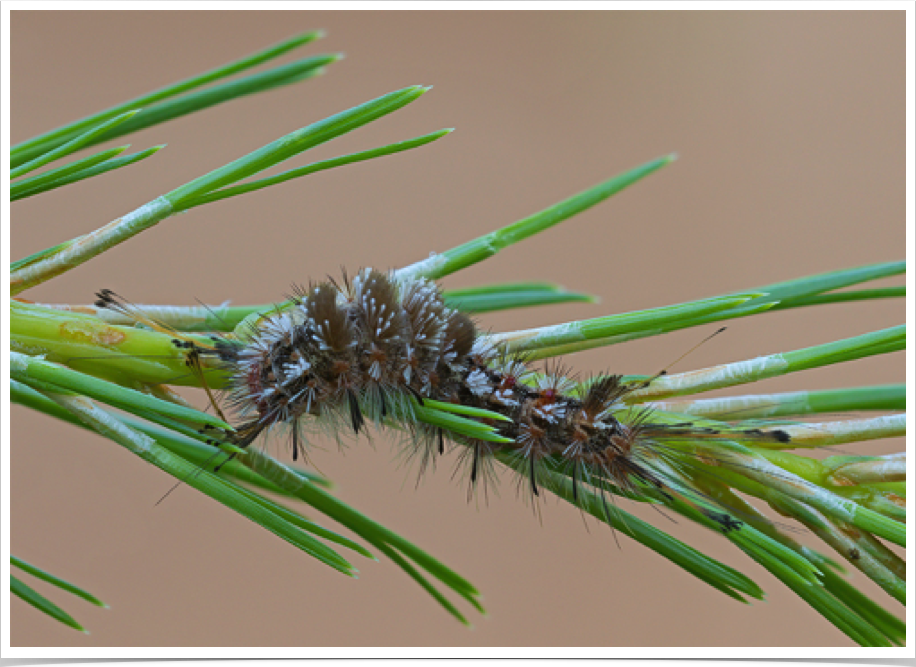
<point x="373" y="348"/>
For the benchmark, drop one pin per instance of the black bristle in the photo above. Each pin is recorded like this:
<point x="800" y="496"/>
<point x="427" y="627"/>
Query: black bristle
<point x="474" y="460"/>
<point x="220" y="466"/>
<point x="416" y="394"/>
<point x="356" y="415"/>
<point x="384" y="406"/>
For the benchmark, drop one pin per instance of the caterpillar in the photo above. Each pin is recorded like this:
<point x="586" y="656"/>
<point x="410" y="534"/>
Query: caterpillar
<point x="373" y="348"/>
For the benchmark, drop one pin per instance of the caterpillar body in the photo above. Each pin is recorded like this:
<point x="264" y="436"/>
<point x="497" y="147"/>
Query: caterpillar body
<point x="373" y="348"/>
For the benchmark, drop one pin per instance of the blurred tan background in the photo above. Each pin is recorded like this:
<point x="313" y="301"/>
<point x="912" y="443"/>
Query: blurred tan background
<point x="790" y="131"/>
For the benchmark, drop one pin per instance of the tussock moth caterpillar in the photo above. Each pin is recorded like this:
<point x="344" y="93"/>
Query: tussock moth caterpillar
<point x="372" y="349"/>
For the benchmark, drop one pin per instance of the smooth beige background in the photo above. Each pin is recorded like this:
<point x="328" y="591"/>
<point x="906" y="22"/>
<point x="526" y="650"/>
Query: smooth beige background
<point x="790" y="130"/>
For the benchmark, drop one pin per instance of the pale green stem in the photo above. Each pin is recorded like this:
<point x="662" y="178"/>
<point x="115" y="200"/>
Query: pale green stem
<point x="755" y="406"/>
<point x="891" y="502"/>
<point x="84" y="248"/>
<point x="774" y="477"/>
<point x="610" y="327"/>
<point x="866" y="553"/>
<point x="87" y="344"/>
<point x="25" y="369"/>
<point x="890" y="468"/>
<point x="106" y="424"/>
<point x="727" y="375"/>
<point x="180" y="318"/>
<point x="717" y="377"/>
<point x="826" y="434"/>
